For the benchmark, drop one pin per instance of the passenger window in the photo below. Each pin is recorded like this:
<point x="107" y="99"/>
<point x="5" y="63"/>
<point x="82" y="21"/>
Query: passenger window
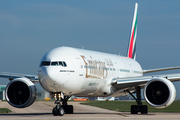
<point x="46" y="63"/>
<point x="54" y="63"/>
<point x="64" y="64"/>
<point x="60" y="63"/>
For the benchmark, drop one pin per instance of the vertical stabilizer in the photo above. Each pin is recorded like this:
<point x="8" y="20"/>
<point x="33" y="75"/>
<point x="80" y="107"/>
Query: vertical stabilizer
<point x="132" y="43"/>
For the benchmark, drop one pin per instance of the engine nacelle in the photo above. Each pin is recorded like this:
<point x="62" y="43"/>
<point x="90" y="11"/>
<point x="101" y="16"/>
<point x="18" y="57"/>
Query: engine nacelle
<point x="20" y="92"/>
<point x="159" y="92"/>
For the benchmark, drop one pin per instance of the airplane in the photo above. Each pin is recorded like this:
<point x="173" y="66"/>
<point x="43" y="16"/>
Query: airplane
<point x="68" y="71"/>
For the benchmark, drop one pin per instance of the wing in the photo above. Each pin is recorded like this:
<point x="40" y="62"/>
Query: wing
<point x="11" y="76"/>
<point x="131" y="83"/>
<point x="161" y="69"/>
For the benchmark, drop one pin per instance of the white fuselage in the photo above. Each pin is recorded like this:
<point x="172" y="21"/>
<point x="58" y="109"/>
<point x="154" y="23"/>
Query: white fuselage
<point x="82" y="72"/>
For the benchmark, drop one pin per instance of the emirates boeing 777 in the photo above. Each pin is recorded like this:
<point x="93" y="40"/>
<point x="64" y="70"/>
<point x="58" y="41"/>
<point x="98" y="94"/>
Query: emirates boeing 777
<point x="67" y="71"/>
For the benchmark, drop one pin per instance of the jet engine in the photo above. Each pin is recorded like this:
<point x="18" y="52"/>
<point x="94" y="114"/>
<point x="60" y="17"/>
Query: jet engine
<point x="159" y="92"/>
<point x="20" y="92"/>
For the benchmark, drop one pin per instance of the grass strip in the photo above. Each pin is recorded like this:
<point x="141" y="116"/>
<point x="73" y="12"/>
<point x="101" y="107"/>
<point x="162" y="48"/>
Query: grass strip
<point x="124" y="106"/>
<point x="4" y="110"/>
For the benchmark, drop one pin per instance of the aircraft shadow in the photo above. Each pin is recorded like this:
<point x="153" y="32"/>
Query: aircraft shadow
<point x="23" y="114"/>
<point x="117" y="113"/>
<point x="38" y="114"/>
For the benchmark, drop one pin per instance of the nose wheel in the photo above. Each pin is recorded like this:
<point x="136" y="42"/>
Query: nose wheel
<point x="64" y="108"/>
<point x="58" y="111"/>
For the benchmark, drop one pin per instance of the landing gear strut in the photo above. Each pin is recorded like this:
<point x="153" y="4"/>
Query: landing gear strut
<point x="68" y="108"/>
<point x="139" y="107"/>
<point x="64" y="108"/>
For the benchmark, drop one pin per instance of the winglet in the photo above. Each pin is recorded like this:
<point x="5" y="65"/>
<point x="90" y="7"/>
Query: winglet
<point x="132" y="43"/>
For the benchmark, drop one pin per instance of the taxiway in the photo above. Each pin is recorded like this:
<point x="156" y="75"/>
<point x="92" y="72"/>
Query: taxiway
<point x="42" y="110"/>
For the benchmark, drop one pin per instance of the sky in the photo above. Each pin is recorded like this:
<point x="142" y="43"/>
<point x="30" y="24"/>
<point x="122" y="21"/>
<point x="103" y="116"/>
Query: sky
<point x="29" y="29"/>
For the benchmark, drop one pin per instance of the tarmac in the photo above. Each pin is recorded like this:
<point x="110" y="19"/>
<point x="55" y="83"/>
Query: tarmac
<point x="42" y="110"/>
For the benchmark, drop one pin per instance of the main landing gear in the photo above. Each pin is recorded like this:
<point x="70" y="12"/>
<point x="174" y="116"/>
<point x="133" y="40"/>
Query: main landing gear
<point x="64" y="108"/>
<point x="139" y="107"/>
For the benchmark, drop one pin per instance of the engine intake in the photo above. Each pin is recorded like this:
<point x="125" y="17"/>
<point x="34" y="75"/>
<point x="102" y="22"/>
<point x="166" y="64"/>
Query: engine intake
<point x="159" y="92"/>
<point x="20" y="92"/>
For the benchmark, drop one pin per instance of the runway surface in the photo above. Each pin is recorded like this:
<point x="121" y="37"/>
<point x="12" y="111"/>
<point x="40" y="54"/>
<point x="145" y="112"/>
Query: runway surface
<point x="42" y="110"/>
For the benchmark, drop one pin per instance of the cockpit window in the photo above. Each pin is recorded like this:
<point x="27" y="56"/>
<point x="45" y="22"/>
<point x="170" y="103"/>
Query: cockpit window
<point x="42" y="63"/>
<point x="61" y="63"/>
<point x="46" y="63"/>
<point x="64" y="64"/>
<point x="53" y="63"/>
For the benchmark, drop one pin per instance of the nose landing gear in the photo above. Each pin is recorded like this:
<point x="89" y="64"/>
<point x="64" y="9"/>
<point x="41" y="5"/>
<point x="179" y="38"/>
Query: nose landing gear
<point x="58" y="110"/>
<point x="64" y="108"/>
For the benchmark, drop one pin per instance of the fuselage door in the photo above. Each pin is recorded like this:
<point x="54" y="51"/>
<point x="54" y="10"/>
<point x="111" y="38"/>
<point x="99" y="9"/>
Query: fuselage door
<point x="80" y="66"/>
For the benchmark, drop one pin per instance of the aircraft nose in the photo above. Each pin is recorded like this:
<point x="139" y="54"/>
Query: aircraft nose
<point x="47" y="78"/>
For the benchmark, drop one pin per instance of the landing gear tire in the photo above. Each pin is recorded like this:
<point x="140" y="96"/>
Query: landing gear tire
<point x="134" y="109"/>
<point x="54" y="111"/>
<point x="142" y="108"/>
<point x="61" y="111"/>
<point x="68" y="109"/>
<point x="57" y="112"/>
